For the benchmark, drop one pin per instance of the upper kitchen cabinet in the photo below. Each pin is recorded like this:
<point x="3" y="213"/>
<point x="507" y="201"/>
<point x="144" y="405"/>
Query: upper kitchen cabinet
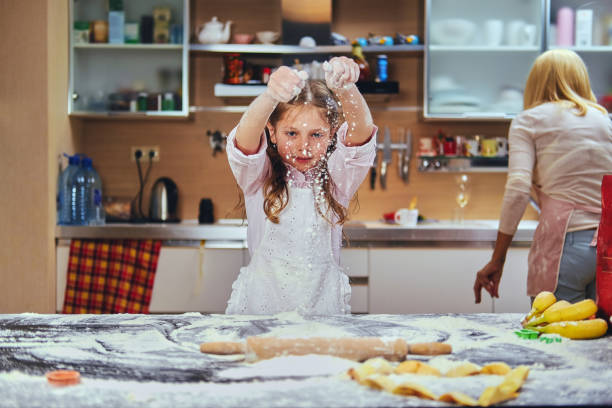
<point x="477" y="56"/>
<point x="129" y="58"/>
<point x="585" y="27"/>
<point x="304" y="35"/>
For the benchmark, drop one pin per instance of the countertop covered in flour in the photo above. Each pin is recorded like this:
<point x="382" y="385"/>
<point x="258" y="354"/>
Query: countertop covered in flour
<point x="146" y="360"/>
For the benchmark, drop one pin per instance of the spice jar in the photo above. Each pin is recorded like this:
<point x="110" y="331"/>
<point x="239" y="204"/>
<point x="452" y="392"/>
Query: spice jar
<point x="99" y="31"/>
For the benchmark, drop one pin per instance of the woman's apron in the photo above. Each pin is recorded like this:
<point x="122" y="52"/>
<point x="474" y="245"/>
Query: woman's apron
<point x="294" y="267"/>
<point x="545" y="253"/>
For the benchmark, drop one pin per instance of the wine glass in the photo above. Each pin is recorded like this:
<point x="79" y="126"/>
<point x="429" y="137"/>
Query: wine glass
<point x="462" y="196"/>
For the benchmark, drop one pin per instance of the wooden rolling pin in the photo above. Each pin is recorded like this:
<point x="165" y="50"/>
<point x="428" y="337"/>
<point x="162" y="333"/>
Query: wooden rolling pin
<point x="356" y="348"/>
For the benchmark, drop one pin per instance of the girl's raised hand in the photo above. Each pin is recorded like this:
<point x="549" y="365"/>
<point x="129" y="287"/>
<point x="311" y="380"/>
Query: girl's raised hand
<point x="286" y="83"/>
<point x="340" y="71"/>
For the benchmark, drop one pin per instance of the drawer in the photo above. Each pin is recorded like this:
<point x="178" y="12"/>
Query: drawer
<point x="354" y="261"/>
<point x="359" y="298"/>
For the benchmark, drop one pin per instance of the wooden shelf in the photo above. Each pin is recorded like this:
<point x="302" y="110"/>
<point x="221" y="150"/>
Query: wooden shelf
<point x="294" y="49"/>
<point x="225" y="90"/>
<point x="128" y="47"/>
<point x="593" y="48"/>
<point x="129" y="115"/>
<point x="484" y="116"/>
<point x="479" y="48"/>
<point x="462" y="164"/>
<point x="369" y="88"/>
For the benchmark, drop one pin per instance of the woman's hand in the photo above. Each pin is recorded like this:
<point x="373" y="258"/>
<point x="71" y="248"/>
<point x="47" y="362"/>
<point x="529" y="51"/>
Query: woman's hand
<point x="488" y="278"/>
<point x="340" y="71"/>
<point x="285" y="84"/>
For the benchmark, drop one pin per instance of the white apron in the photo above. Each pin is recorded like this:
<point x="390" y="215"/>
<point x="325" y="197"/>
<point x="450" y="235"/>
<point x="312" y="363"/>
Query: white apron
<point x="293" y="268"/>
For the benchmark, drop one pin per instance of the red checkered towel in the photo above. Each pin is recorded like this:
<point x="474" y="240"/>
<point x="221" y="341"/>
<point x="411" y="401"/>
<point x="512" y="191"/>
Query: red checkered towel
<point x="110" y="276"/>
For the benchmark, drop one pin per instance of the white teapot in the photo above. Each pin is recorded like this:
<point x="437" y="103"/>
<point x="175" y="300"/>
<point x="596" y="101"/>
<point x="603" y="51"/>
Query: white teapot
<point x="213" y="32"/>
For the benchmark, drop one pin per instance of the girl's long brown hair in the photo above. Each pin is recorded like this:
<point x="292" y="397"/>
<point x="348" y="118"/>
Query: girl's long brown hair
<point x="276" y="192"/>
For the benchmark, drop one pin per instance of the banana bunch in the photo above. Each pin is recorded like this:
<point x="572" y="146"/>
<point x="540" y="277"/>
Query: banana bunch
<point x="569" y="320"/>
<point x="540" y="303"/>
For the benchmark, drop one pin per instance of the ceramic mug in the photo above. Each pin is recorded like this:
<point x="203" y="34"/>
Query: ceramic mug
<point x="406" y="217"/>
<point x="471" y="147"/>
<point x="494" y="32"/>
<point x="514" y="32"/>
<point x="528" y="34"/>
<point x="502" y="146"/>
<point x="426" y="146"/>
<point x="489" y="147"/>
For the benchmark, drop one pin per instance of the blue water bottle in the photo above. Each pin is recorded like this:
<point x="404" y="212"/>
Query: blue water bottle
<point x="95" y="210"/>
<point x="64" y="190"/>
<point x="382" y="68"/>
<point x="80" y="188"/>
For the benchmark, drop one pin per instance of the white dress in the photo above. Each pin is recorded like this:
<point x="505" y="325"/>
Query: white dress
<point x="293" y="269"/>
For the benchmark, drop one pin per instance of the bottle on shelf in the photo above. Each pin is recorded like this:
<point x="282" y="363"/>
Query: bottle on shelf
<point x="364" y="67"/>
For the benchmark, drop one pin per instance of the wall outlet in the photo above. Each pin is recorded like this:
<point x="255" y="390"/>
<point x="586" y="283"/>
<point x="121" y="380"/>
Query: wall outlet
<point x="145" y="153"/>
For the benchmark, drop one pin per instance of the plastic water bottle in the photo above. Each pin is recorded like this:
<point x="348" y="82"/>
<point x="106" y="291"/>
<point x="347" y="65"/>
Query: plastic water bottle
<point x="80" y="188"/>
<point x="382" y="67"/>
<point x="64" y="190"/>
<point x="95" y="210"/>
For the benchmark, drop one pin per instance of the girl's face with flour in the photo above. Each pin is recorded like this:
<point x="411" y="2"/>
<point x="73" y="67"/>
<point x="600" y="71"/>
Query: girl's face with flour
<point x="301" y="135"/>
<point x="305" y="119"/>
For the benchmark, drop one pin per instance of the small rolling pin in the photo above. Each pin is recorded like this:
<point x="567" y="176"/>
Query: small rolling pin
<point x="356" y="348"/>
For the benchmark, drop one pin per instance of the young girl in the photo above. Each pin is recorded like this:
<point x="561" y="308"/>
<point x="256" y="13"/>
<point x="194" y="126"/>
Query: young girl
<point x="299" y="154"/>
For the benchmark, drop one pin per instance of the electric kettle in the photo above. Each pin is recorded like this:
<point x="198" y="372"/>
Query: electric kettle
<point x="163" y="204"/>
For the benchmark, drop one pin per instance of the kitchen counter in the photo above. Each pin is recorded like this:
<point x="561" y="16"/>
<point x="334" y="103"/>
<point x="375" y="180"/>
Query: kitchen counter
<point x="145" y="360"/>
<point x="374" y="232"/>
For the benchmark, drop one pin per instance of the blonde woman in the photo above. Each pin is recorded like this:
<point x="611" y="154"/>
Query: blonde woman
<point x="561" y="145"/>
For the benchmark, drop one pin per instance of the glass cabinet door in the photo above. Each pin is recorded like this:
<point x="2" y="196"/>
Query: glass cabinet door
<point x="128" y="58"/>
<point x="478" y="54"/>
<point x="585" y="26"/>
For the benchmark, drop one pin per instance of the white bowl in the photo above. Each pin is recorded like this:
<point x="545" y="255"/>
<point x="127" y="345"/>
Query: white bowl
<point x="452" y="31"/>
<point x="267" y="37"/>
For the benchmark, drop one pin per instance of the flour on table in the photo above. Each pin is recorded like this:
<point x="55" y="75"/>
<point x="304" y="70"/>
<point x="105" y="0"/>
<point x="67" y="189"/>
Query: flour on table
<point x="290" y="317"/>
<point x="308" y="329"/>
<point x="292" y="366"/>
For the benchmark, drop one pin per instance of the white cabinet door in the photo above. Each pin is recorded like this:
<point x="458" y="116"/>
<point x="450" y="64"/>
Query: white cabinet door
<point x="477" y="56"/>
<point x="513" y="286"/>
<point x="354" y="261"/>
<point x="194" y="279"/>
<point x="587" y="30"/>
<point x="426" y="280"/>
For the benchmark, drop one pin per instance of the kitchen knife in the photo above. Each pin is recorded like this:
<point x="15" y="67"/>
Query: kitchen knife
<point x="386" y="159"/>
<point x="353" y="348"/>
<point x="400" y="153"/>
<point x="373" y="171"/>
<point x="406" y="156"/>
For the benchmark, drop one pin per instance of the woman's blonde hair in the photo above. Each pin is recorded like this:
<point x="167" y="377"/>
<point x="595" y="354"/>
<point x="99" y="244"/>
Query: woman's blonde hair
<point x="560" y="76"/>
<point x="276" y="192"/>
